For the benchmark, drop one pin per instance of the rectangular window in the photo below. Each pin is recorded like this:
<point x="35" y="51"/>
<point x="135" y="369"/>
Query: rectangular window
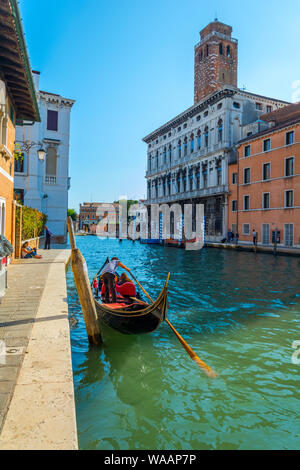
<point x="266" y="201"/>
<point x="265" y="230"/>
<point x="258" y="106"/>
<point x="267" y="145"/>
<point x="246" y="175"/>
<point x="219" y="176"/>
<point x="289" y="138"/>
<point x="247" y="151"/>
<point x="19" y="164"/>
<point x="269" y="109"/>
<point x="246" y="229"/>
<point x="246" y="203"/>
<point x="289" y="166"/>
<point x="289" y="198"/>
<point x="19" y="195"/>
<point x="52" y="120"/>
<point x="234" y="178"/>
<point x="2" y="216"/>
<point x="51" y="162"/>
<point x="234" y="206"/>
<point x="266" y="171"/>
<point x="288" y="234"/>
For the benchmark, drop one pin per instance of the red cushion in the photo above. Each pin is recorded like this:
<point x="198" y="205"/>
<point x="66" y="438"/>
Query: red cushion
<point x="128" y="288"/>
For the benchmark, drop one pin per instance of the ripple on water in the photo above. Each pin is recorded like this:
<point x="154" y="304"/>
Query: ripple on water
<point x="240" y="314"/>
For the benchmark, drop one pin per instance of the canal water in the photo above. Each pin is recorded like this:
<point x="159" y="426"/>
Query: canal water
<point x="239" y="311"/>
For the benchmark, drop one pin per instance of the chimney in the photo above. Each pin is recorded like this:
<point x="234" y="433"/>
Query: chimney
<point x="36" y="80"/>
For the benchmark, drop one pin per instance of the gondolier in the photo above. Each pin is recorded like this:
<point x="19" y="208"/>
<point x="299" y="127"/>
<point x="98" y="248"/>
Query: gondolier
<point x="108" y="275"/>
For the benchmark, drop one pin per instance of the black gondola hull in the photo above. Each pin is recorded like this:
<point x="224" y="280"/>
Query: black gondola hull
<point x="130" y="325"/>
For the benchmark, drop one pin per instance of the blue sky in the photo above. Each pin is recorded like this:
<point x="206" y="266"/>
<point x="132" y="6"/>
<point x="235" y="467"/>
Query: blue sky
<point x="129" y="66"/>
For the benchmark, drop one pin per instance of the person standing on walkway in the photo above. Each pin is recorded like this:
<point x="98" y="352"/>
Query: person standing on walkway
<point x="108" y="275"/>
<point x="48" y="238"/>
<point x="254" y="236"/>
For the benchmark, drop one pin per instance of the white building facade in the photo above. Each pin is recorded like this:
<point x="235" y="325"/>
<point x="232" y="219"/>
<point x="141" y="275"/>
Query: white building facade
<point x="188" y="157"/>
<point x="45" y="185"/>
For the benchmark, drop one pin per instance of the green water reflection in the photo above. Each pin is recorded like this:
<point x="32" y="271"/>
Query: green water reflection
<point x="238" y="311"/>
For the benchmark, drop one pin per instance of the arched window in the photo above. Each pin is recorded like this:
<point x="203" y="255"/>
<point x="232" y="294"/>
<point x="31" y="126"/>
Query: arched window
<point x="185" y="146"/>
<point x="164" y="186"/>
<point x="228" y="51"/>
<point x="156" y="159"/>
<point x="207" y="50"/>
<point x="169" y="184"/>
<point x="220" y="130"/>
<point x="221" y="48"/>
<point x="206" y="136"/>
<point x="170" y="153"/>
<point x="179" y="149"/>
<point x="199" y="139"/>
<point x="178" y="182"/>
<point x="192" y="143"/>
<point x="184" y="181"/>
<point x="165" y="155"/>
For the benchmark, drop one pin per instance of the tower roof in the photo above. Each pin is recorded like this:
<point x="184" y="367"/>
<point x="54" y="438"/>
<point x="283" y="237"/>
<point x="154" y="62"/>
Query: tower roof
<point x="216" y="27"/>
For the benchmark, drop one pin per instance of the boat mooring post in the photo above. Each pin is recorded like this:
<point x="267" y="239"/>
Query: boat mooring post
<point x="84" y="290"/>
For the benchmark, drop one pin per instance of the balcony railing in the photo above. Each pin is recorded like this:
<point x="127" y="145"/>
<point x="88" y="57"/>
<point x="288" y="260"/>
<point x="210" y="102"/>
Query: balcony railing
<point x="203" y="192"/>
<point x="50" y="179"/>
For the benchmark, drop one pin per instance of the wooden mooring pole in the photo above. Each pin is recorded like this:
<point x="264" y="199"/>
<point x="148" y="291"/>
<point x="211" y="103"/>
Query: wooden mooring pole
<point x="84" y="290"/>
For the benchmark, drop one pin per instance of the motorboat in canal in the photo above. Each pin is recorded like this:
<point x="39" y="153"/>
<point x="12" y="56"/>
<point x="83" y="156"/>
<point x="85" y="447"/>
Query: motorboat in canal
<point x="132" y="316"/>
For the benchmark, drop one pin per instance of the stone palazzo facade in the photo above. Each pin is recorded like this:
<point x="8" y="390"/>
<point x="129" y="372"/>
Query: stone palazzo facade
<point x="45" y="185"/>
<point x="188" y="157"/>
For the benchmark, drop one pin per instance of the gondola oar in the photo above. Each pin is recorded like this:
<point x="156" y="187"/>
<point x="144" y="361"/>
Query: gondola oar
<point x="107" y="261"/>
<point x="99" y="272"/>
<point x="208" y="370"/>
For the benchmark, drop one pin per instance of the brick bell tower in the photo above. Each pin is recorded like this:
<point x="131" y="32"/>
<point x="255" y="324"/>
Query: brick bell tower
<point x="216" y="59"/>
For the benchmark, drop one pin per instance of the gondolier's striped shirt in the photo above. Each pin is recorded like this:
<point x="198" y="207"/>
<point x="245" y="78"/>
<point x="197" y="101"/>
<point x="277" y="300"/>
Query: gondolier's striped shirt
<point x="111" y="267"/>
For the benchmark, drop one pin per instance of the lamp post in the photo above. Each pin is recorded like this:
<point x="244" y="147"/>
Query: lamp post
<point x="26" y="146"/>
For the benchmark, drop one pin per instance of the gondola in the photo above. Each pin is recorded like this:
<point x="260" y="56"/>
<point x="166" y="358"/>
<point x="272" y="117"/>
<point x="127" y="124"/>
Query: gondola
<point x="132" y="316"/>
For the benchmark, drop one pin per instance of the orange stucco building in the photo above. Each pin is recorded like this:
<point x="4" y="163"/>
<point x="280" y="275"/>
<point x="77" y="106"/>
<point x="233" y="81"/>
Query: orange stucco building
<point x="264" y="184"/>
<point x="17" y="103"/>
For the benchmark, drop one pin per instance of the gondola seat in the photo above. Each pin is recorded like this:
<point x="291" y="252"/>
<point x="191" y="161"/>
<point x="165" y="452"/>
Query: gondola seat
<point x="127" y="289"/>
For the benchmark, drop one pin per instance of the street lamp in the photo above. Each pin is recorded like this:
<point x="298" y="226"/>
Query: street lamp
<point x="41" y="154"/>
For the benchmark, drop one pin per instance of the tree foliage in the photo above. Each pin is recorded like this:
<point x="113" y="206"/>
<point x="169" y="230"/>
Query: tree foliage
<point x="33" y="222"/>
<point x="72" y="213"/>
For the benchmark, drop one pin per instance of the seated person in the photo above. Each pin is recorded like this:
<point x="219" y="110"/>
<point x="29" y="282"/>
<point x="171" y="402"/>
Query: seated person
<point x="123" y="278"/>
<point x="28" y="252"/>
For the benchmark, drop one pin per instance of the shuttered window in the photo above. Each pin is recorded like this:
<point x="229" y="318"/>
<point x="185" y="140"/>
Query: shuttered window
<point x="52" y="120"/>
<point x="265" y="234"/>
<point x="51" y="161"/>
<point x="2" y="216"/>
<point x="288" y="234"/>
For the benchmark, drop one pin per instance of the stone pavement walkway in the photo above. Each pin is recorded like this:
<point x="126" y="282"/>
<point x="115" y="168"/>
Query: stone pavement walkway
<point x="27" y="280"/>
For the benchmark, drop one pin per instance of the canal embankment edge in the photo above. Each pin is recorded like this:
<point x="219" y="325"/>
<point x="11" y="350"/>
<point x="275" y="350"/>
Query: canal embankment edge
<point x="41" y="414"/>
<point x="251" y="248"/>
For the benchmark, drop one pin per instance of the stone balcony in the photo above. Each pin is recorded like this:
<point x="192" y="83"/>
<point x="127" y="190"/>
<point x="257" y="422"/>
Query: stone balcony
<point x="190" y="159"/>
<point x="195" y="193"/>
